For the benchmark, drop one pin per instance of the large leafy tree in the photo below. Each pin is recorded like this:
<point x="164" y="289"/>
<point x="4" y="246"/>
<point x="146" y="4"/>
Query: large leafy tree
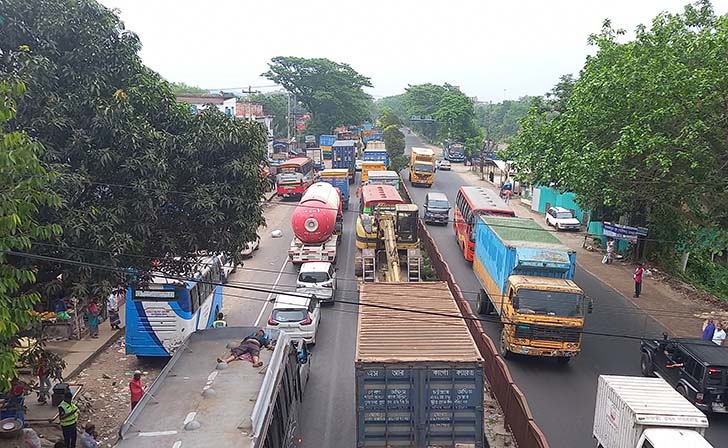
<point x="275" y="104"/>
<point x="24" y="187"/>
<point x="456" y="117"/>
<point x="395" y="143"/>
<point x="500" y="120"/>
<point x="182" y="88"/>
<point x="141" y="178"/>
<point x="332" y="92"/>
<point x="643" y="128"/>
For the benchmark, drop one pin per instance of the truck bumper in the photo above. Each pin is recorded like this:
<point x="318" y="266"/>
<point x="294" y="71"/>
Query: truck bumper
<point x="543" y="352"/>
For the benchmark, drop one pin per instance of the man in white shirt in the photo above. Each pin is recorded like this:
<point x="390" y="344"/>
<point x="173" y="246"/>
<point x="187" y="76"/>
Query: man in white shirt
<point x="112" y="303"/>
<point x="719" y="334"/>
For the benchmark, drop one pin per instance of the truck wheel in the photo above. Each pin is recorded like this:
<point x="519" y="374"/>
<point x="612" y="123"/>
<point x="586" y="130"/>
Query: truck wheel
<point x="503" y="346"/>
<point x="563" y="360"/>
<point x="484" y="306"/>
<point x="646" y="365"/>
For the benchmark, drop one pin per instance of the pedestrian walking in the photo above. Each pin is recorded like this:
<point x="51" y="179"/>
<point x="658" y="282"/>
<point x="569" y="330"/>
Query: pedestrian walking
<point x="68" y="416"/>
<point x="719" y="334"/>
<point x="708" y="329"/>
<point x="44" y="383"/>
<point x="220" y="321"/>
<point x="112" y="305"/>
<point x="92" y="313"/>
<point x="89" y="436"/>
<point x="638" y="280"/>
<point x="610" y="250"/>
<point x="507" y="196"/>
<point x="136" y="389"/>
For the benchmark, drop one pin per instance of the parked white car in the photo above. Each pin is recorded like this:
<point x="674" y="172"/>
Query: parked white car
<point x="297" y="316"/>
<point x="445" y="165"/>
<point x="562" y="219"/>
<point x="251" y="247"/>
<point x="317" y="274"/>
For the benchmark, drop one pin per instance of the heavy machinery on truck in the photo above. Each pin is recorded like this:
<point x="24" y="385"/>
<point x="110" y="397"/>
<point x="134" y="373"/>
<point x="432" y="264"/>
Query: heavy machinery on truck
<point x="424" y="387"/>
<point x="636" y="412"/>
<point x="317" y="223"/>
<point x="422" y="167"/>
<point x="526" y="276"/>
<point x="386" y="236"/>
<point x="194" y="404"/>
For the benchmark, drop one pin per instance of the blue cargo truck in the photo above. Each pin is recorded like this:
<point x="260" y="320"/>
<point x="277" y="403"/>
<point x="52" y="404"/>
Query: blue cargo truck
<point x="376" y="155"/>
<point x="338" y="178"/>
<point x="527" y="275"/>
<point x="344" y="157"/>
<point x="421" y="386"/>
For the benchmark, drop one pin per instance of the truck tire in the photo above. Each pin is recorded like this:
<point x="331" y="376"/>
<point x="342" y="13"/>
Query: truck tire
<point x="503" y="346"/>
<point x="484" y="306"/>
<point x="563" y="360"/>
<point x="646" y="366"/>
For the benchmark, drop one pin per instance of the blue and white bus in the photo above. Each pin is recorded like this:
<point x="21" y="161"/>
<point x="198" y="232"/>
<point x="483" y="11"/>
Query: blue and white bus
<point x="163" y="314"/>
<point x="454" y="152"/>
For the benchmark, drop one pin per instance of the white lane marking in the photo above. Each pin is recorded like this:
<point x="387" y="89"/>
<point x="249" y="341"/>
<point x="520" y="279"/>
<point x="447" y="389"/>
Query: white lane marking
<point x="189" y="418"/>
<point x="157" y="433"/>
<point x="211" y="377"/>
<point x="270" y="294"/>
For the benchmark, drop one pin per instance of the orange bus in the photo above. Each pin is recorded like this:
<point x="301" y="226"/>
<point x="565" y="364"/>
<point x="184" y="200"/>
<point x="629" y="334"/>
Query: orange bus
<point x="470" y="203"/>
<point x="294" y="176"/>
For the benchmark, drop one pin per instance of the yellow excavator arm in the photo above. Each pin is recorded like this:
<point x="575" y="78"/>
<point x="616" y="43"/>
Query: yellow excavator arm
<point x="389" y="234"/>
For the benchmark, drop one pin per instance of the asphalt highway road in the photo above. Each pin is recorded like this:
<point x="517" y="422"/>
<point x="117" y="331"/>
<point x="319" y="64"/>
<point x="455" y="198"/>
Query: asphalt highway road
<point x="562" y="398"/>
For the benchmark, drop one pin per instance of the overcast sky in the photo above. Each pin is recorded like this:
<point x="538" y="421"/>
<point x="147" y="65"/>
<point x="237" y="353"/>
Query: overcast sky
<point x="491" y="49"/>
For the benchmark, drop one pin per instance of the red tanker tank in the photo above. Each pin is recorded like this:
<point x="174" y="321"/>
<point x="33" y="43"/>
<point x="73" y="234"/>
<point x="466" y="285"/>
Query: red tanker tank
<point x="314" y="219"/>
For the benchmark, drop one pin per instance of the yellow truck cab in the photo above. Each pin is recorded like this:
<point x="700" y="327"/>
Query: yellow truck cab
<point x="527" y="278"/>
<point x="422" y="167"/>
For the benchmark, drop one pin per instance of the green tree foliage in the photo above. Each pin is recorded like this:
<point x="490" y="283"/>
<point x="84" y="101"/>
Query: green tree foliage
<point x="456" y="117"/>
<point x="424" y="100"/>
<point x="394" y="103"/>
<point x="395" y="144"/>
<point x="387" y="118"/>
<point x="275" y="104"/>
<point x="24" y="187"/>
<point x="643" y="129"/>
<point x="139" y="175"/>
<point x="180" y="88"/>
<point x="330" y="91"/>
<point x="500" y="121"/>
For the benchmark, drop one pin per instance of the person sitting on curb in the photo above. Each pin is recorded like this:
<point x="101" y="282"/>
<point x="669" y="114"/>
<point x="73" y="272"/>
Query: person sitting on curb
<point x="88" y="437"/>
<point x="249" y="345"/>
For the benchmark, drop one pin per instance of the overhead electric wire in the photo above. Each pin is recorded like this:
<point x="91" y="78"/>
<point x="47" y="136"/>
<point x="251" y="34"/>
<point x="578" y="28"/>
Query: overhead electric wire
<point x="424" y="311"/>
<point x="628" y="308"/>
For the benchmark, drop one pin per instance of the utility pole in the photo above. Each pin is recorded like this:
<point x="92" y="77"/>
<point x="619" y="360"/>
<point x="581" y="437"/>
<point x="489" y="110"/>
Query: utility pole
<point x="288" y="119"/>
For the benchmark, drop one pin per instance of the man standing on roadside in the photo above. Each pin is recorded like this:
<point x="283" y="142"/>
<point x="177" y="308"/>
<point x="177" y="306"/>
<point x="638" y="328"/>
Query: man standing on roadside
<point x="719" y="335"/>
<point x="708" y="329"/>
<point x="638" y="280"/>
<point x="68" y="416"/>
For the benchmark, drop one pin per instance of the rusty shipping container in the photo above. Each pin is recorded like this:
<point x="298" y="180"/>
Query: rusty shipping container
<point x="419" y="375"/>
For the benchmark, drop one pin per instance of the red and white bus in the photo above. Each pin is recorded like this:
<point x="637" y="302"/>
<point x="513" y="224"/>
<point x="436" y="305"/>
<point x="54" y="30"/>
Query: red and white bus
<point x="471" y="203"/>
<point x="294" y="176"/>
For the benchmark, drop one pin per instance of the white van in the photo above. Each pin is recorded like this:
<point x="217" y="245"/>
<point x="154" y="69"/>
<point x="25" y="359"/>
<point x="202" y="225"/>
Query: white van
<point x="317" y="274"/>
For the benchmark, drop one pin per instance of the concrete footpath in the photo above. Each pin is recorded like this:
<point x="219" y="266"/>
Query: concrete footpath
<point x="680" y="314"/>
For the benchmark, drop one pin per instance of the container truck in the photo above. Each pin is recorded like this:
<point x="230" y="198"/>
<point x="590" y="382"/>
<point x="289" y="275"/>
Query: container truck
<point x="316" y="156"/>
<point x="422" y="167"/>
<point x="192" y="403"/>
<point x="637" y="412"/>
<point x="317" y="223"/>
<point x="345" y="157"/>
<point x="376" y="155"/>
<point x="325" y="143"/>
<point x="421" y="386"/>
<point x="369" y="167"/>
<point x="338" y="178"/>
<point x="526" y="275"/>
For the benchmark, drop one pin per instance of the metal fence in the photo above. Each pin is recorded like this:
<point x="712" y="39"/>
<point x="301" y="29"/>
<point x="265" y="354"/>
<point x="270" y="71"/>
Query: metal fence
<point x="515" y="408"/>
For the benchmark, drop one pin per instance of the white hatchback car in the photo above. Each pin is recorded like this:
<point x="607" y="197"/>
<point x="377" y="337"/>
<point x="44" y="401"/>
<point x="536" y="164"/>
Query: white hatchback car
<point x="562" y="219"/>
<point x="297" y="316"/>
<point x="317" y="274"/>
<point x="445" y="165"/>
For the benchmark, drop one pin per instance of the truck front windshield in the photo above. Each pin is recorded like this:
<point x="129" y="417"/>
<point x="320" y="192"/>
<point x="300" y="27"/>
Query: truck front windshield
<point x="549" y="303"/>
<point x="424" y="167"/>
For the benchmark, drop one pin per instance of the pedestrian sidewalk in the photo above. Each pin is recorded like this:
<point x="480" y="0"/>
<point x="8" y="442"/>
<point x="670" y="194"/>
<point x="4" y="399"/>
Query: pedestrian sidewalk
<point x="78" y="354"/>
<point x="675" y="311"/>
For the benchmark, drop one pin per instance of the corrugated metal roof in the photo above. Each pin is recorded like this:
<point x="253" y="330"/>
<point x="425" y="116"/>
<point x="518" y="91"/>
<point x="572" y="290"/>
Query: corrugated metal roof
<point x="386" y="335"/>
<point x="513" y="230"/>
